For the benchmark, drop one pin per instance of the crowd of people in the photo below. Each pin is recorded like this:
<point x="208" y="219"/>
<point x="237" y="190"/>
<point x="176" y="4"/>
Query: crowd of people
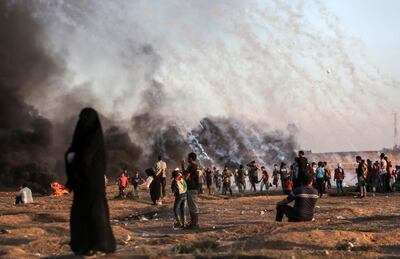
<point x="379" y="176"/>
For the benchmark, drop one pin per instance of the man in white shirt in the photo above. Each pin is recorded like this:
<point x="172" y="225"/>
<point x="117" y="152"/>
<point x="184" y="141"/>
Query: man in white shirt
<point x="383" y="174"/>
<point x="24" y="195"/>
<point x="161" y="172"/>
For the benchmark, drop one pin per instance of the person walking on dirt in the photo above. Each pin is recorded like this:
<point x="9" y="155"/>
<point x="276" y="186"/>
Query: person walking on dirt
<point x="339" y="177"/>
<point x="136" y="180"/>
<point x="179" y="189"/>
<point x="328" y="176"/>
<point x="161" y="172"/>
<point x="362" y="172"/>
<point x="209" y="180"/>
<point x="217" y="179"/>
<point x="305" y="198"/>
<point x="253" y="174"/>
<point x="383" y="173"/>
<point x="286" y="181"/>
<point x="191" y="175"/>
<point x="320" y="178"/>
<point x="242" y="174"/>
<point x="303" y="166"/>
<point x="264" y="179"/>
<point x="226" y="178"/>
<point x="295" y="169"/>
<point x="122" y="184"/>
<point x="275" y="175"/>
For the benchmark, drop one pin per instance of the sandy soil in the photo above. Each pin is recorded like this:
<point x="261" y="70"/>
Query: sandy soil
<point x="230" y="227"/>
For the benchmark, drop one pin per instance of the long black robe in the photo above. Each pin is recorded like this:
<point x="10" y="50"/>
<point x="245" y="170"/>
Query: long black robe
<point x="89" y="222"/>
<point x="155" y="186"/>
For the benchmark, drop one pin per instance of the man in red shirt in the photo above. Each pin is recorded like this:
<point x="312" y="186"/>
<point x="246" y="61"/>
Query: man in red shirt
<point x="122" y="184"/>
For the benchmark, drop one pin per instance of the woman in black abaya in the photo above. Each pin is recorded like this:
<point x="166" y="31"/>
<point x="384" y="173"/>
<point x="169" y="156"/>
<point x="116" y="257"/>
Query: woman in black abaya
<point x="155" y="186"/>
<point x="85" y="165"/>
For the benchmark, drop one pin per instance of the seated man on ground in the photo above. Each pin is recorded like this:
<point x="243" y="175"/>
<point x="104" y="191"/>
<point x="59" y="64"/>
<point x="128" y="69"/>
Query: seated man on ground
<point x="305" y="197"/>
<point x="24" y="195"/>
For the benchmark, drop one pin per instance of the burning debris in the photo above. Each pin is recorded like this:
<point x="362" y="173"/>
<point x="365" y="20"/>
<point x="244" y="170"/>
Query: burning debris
<point x="58" y="189"/>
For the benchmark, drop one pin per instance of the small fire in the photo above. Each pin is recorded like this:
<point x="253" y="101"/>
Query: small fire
<point x="58" y="189"/>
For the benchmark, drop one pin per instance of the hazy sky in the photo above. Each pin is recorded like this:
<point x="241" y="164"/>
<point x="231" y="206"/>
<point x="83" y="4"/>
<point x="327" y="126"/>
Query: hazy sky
<point x="328" y="67"/>
<point x="377" y="24"/>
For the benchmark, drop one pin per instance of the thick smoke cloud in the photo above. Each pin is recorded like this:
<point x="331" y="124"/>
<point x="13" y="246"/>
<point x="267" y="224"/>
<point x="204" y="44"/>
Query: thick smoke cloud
<point x="230" y="142"/>
<point x="32" y="145"/>
<point x="172" y="77"/>
<point x="25" y="67"/>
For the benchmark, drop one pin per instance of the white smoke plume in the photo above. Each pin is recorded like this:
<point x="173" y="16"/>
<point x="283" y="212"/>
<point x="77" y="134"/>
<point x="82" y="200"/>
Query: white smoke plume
<point x="160" y="69"/>
<point x="274" y="63"/>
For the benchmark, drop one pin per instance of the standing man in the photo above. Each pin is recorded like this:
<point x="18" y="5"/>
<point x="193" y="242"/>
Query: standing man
<point x="226" y="176"/>
<point x="362" y="172"/>
<point x="276" y="175"/>
<point x="383" y="173"/>
<point x="209" y="180"/>
<point x="253" y="174"/>
<point x="328" y="176"/>
<point x="161" y="172"/>
<point x="242" y="173"/>
<point x="285" y="179"/>
<point x="320" y="178"/>
<point x="264" y="179"/>
<point x="339" y="177"/>
<point x="295" y="173"/>
<point x="303" y="166"/>
<point x="191" y="174"/>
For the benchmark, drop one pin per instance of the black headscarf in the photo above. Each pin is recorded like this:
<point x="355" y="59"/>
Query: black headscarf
<point x="88" y="167"/>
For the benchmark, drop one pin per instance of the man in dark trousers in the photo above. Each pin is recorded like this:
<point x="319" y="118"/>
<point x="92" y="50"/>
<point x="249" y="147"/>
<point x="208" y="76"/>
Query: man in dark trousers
<point x="305" y="197"/>
<point x="191" y="174"/>
<point x="302" y="167"/>
<point x="161" y="173"/>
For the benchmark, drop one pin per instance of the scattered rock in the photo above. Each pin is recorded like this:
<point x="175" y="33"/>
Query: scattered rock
<point x="143" y="218"/>
<point x="5" y="231"/>
<point x="340" y="217"/>
<point x="242" y="212"/>
<point x="262" y="212"/>
<point x="345" y="245"/>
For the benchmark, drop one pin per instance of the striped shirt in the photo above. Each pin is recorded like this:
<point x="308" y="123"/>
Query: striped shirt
<point x="304" y="198"/>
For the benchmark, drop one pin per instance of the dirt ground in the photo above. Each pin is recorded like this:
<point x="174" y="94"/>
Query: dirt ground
<point x="239" y="226"/>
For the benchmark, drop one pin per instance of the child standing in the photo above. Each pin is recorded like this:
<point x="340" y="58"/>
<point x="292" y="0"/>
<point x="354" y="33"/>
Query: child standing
<point x="179" y="188"/>
<point x="122" y="184"/>
<point x="136" y="181"/>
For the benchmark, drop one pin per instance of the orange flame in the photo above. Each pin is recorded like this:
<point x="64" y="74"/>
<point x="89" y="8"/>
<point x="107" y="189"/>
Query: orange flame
<point x="58" y="189"/>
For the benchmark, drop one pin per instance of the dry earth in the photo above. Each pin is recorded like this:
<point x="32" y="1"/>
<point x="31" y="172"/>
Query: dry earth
<point x="239" y="226"/>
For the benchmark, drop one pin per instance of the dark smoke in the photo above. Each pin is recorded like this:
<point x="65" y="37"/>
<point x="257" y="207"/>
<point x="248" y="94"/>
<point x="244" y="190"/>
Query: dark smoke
<point x="122" y="153"/>
<point x="32" y="146"/>
<point x="25" y="136"/>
